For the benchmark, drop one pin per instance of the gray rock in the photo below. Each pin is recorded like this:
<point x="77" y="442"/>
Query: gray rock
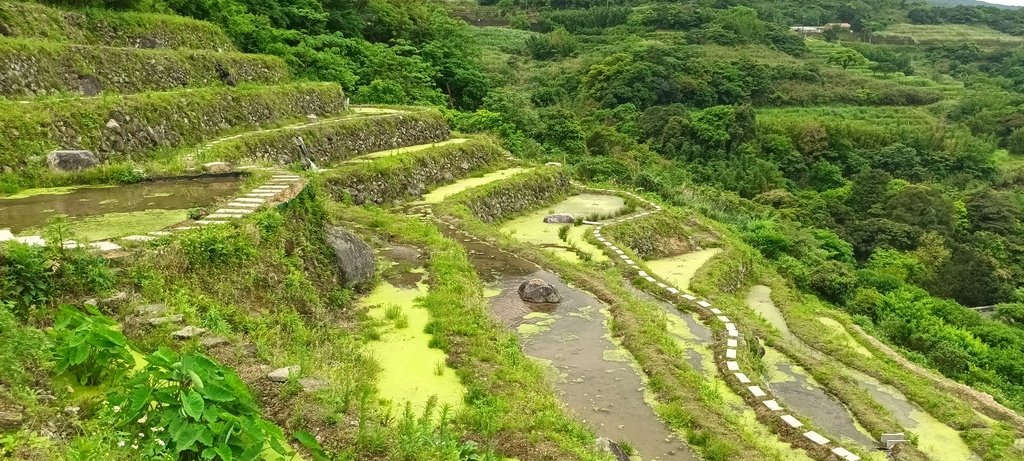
<point x="354" y="258"/>
<point x="148" y="43"/>
<point x="157" y="321"/>
<point x="71" y="160"/>
<point x="211" y="342"/>
<point x="113" y="125"/>
<point x="89" y="85"/>
<point x="560" y="219"/>
<point x="552" y="164"/>
<point x="312" y="118"/>
<point x="118" y="299"/>
<point x="217" y="167"/>
<point x="606" y="445"/>
<point x="538" y="291"/>
<point x="10" y="420"/>
<point x="150" y="310"/>
<point x="281" y="375"/>
<point x="188" y="332"/>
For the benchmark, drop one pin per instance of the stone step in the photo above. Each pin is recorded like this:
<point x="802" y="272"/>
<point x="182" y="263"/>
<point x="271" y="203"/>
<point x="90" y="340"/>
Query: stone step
<point x="138" y="238"/>
<point x="234" y="211"/>
<point x="260" y="194"/>
<point x="250" y="200"/>
<point x="221" y="216"/>
<point x="106" y="246"/>
<point x="237" y="205"/>
<point x="208" y="222"/>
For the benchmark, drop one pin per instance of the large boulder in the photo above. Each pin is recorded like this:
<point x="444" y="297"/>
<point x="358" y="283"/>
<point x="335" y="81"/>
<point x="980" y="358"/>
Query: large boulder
<point x="559" y="219"/>
<point x="354" y="257"/>
<point x="71" y="160"/>
<point x="538" y="291"/>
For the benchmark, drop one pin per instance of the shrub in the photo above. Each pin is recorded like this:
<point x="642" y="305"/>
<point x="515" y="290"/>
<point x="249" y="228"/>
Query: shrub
<point x="217" y="245"/>
<point x="32" y="276"/>
<point x="194" y="408"/>
<point x="90" y="347"/>
<point x="23" y="350"/>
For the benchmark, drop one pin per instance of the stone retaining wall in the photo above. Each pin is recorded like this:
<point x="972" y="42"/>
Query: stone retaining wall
<point x="390" y="179"/>
<point x="36" y="68"/>
<point x="662" y="235"/>
<point x="331" y="142"/>
<point x="109" y="28"/>
<point x="135" y="126"/>
<point x="521" y="193"/>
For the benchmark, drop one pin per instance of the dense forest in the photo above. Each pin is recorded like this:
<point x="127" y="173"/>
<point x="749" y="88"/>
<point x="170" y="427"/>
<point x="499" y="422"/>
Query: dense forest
<point x="880" y="170"/>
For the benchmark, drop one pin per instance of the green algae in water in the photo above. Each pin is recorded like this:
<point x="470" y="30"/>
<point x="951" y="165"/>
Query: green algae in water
<point x="543" y="323"/>
<point x="408" y="363"/>
<point x="532" y="228"/>
<point x="49" y="191"/>
<point x="441" y="193"/>
<point x="760" y="300"/>
<point x="935" y="439"/>
<point x="687" y="340"/>
<point x="844" y="336"/>
<point x="116" y="225"/>
<point x="679" y="270"/>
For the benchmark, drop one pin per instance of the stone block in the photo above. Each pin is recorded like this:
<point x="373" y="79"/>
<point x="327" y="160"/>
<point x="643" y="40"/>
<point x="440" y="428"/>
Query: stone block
<point x="71" y="160"/>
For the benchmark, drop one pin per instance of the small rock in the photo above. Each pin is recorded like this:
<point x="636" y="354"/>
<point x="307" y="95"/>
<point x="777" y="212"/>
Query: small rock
<point x="560" y="219"/>
<point x="312" y="118"/>
<point x="10" y="420"/>
<point x="118" y="299"/>
<point x="91" y="302"/>
<point x="72" y="410"/>
<point x="281" y="375"/>
<point x="606" y="445"/>
<point x="5" y="235"/>
<point x="89" y="85"/>
<point x="177" y="318"/>
<point x="188" y="332"/>
<point x="217" y="167"/>
<point x="552" y="164"/>
<point x="71" y="160"/>
<point x="151" y="310"/>
<point x="538" y="291"/>
<point x="113" y="125"/>
<point x="211" y="342"/>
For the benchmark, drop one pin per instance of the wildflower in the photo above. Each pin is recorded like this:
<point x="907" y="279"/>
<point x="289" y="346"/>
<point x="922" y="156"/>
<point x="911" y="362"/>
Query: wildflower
<point x="120" y="444"/>
<point x="141" y="434"/>
<point x="135" y="446"/>
<point x="117" y="408"/>
<point x="157" y="429"/>
<point x="160" y="442"/>
<point x="143" y="419"/>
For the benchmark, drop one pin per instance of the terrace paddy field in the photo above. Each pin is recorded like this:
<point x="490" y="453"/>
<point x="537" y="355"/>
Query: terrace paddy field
<point x="626" y="231"/>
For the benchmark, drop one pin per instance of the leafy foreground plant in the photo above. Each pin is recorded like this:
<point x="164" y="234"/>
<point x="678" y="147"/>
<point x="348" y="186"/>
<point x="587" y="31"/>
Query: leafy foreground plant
<point x="192" y="407"/>
<point x="90" y="347"/>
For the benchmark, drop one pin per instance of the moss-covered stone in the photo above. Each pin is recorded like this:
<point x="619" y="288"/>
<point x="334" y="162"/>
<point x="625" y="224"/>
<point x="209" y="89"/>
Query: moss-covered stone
<point x="104" y="27"/>
<point x="393" y="178"/>
<point x="36" y="67"/>
<point x="134" y="126"/>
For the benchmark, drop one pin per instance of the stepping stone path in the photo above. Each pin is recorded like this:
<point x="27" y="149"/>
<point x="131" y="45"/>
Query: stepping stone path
<point x="241" y="206"/>
<point x="730" y="340"/>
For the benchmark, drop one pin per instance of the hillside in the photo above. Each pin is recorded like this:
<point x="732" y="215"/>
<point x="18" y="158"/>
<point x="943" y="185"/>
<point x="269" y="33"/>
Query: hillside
<point x="515" y="230"/>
